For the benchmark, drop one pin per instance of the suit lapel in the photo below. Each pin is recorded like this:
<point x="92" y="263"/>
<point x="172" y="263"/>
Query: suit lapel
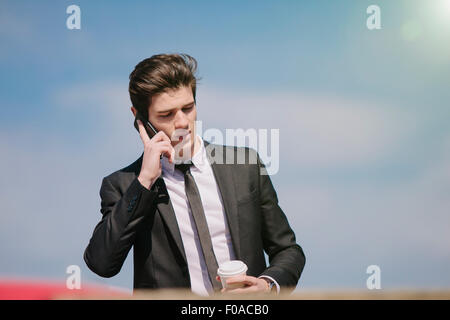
<point x="166" y="210"/>
<point x="224" y="178"/>
<point x="168" y="214"/>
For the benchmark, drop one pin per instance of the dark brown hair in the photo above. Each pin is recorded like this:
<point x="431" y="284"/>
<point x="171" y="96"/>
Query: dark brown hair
<point x="159" y="73"/>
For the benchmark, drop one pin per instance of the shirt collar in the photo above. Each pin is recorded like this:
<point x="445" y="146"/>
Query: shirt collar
<point x="198" y="159"/>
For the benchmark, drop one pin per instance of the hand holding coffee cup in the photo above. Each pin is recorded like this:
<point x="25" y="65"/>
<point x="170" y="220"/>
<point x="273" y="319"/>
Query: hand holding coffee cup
<point x="230" y="269"/>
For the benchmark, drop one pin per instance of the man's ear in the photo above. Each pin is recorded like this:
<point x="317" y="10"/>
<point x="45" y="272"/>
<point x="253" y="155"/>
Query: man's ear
<point x="134" y="111"/>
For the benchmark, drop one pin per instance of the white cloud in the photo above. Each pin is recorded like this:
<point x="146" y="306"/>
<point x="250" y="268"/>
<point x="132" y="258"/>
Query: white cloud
<point x="111" y="98"/>
<point x="404" y="226"/>
<point x="315" y="131"/>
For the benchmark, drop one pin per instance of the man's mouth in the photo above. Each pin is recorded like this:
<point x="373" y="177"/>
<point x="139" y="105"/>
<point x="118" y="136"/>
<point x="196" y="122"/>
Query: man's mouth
<point x="181" y="134"/>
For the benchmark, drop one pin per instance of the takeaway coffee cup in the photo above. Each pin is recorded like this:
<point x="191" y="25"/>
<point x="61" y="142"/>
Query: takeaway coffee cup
<point x="231" y="269"/>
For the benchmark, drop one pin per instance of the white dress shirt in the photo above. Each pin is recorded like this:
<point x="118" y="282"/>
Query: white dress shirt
<point x="215" y="218"/>
<point x="214" y="212"/>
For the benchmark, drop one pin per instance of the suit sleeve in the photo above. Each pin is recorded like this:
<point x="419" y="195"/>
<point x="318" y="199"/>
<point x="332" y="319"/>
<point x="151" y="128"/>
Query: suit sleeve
<point x="286" y="257"/>
<point x="114" y="235"/>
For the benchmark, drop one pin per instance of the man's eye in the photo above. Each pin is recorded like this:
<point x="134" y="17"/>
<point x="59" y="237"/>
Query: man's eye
<point x="188" y="108"/>
<point x="165" y="115"/>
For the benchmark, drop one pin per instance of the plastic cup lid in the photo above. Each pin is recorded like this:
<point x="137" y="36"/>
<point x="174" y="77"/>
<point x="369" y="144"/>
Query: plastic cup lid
<point x="232" y="268"/>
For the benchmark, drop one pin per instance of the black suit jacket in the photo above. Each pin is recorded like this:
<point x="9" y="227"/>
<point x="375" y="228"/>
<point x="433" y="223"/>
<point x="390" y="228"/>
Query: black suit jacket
<point x="145" y="219"/>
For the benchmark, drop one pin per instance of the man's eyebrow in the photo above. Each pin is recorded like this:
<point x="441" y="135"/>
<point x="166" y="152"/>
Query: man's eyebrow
<point x="168" y="110"/>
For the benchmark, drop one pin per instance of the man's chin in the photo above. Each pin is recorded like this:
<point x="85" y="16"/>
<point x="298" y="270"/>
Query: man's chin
<point x="183" y="151"/>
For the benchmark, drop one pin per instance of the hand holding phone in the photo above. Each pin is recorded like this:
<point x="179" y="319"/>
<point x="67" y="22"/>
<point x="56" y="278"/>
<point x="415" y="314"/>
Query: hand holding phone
<point x="149" y="128"/>
<point x="156" y="144"/>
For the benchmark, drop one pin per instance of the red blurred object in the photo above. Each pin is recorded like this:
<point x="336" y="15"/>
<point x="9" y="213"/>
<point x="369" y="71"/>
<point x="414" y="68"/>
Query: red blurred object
<point x="35" y="289"/>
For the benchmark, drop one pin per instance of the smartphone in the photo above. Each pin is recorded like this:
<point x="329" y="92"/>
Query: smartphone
<point x="151" y="131"/>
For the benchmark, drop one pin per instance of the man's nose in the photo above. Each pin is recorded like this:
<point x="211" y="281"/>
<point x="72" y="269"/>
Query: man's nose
<point x="181" y="120"/>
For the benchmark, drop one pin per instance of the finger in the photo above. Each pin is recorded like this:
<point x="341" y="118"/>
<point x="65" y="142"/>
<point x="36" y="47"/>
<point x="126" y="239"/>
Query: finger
<point x="245" y="282"/>
<point x="171" y="154"/>
<point x="165" y="137"/>
<point x="144" y="136"/>
<point x="245" y="290"/>
<point x="242" y="279"/>
<point x="237" y="278"/>
<point x="163" y="143"/>
<point x="171" y="157"/>
<point x="161" y="136"/>
<point x="166" y="151"/>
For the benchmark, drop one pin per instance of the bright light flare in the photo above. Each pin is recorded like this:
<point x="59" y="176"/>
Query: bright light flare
<point x="446" y="6"/>
<point x="443" y="8"/>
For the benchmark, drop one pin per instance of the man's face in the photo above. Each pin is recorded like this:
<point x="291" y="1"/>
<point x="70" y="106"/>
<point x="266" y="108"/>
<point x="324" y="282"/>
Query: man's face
<point x="174" y="112"/>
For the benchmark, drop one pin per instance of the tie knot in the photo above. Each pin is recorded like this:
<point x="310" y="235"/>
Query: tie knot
<point x="184" y="167"/>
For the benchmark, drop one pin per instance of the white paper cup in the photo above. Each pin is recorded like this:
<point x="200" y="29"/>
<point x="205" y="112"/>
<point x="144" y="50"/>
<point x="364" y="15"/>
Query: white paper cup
<point x="231" y="269"/>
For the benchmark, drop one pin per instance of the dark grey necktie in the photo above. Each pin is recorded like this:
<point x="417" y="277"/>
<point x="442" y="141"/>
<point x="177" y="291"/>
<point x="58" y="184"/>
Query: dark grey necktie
<point x="198" y="213"/>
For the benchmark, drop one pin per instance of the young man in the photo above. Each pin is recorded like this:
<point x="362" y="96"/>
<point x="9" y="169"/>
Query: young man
<point x="184" y="221"/>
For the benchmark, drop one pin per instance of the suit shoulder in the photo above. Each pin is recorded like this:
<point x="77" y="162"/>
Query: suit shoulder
<point x="235" y="154"/>
<point x="231" y="148"/>
<point x="129" y="171"/>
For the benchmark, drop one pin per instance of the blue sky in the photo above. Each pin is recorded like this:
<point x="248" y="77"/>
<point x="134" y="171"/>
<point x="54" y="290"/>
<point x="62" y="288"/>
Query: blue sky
<point x="363" y="119"/>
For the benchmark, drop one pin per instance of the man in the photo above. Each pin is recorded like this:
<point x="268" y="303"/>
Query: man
<point x="186" y="220"/>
